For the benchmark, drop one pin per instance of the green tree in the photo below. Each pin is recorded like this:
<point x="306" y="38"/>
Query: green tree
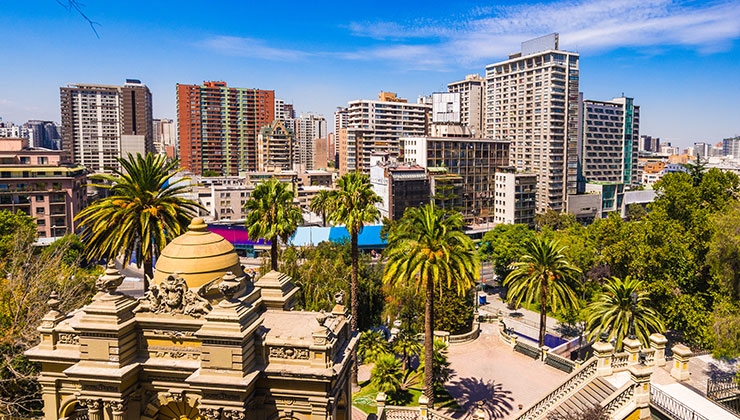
<point x="724" y="249"/>
<point x="622" y="304"/>
<point x="387" y="376"/>
<point x="407" y="345"/>
<point x="453" y="311"/>
<point x="554" y="220"/>
<point x="428" y="248"/>
<point x="320" y="204"/>
<point x="636" y="212"/>
<point x="272" y="215"/>
<point x="10" y="223"/>
<point x="543" y="276"/>
<point x="696" y="170"/>
<point x="372" y="345"/>
<point x="441" y="371"/>
<point x="145" y="210"/>
<point x="504" y="245"/>
<point x="353" y="204"/>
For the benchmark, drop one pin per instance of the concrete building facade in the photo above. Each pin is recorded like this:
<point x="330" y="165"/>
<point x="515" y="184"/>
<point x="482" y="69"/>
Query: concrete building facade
<point x="399" y="186"/>
<point x="36" y="182"/>
<point x="515" y="197"/>
<point x="475" y="160"/>
<point x="532" y="100"/>
<point x="276" y="148"/>
<point x="609" y="144"/>
<point x="101" y="123"/>
<point x="165" y="137"/>
<point x="309" y="127"/>
<point x="377" y="126"/>
<point x="472" y="93"/>
<point x="218" y="126"/>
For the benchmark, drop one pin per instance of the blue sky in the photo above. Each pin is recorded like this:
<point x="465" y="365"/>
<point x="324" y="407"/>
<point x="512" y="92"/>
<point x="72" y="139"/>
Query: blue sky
<point x="679" y="60"/>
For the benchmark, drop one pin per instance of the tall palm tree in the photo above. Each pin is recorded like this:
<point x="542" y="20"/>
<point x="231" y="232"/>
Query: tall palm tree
<point x="543" y="276"/>
<point x="429" y="249"/>
<point x="353" y="204"/>
<point x="145" y="210"/>
<point x="620" y="304"/>
<point x="272" y="215"/>
<point x="320" y="204"/>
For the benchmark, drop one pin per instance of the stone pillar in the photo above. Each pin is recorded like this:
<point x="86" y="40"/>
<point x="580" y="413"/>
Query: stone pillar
<point x="479" y="414"/>
<point x="603" y="352"/>
<point x="640" y="376"/>
<point x="632" y="347"/>
<point x="118" y="409"/>
<point x="94" y="408"/>
<point x="423" y="407"/>
<point x="658" y="342"/>
<point x="681" y="355"/>
<point x="380" y="400"/>
<point x="543" y="352"/>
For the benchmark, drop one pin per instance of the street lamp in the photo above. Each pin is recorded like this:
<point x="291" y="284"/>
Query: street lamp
<point x="633" y="297"/>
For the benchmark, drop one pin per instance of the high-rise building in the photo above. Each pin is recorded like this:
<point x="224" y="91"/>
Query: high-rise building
<point x="46" y="134"/>
<point x="276" y="148"/>
<point x="309" y="127"/>
<point x="532" y="100"/>
<point x="218" y="126"/>
<point x="472" y="93"/>
<point x="341" y="120"/>
<point x="101" y="123"/>
<point x="323" y="152"/>
<point x="446" y="108"/>
<point x="377" y="126"/>
<point x="702" y="150"/>
<point x="288" y="111"/>
<point x="165" y="137"/>
<point x="475" y="160"/>
<point x="731" y="147"/>
<point x="649" y="144"/>
<point x="608" y="147"/>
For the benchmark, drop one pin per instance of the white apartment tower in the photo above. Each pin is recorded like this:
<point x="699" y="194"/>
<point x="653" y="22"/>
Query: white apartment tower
<point x="532" y="100"/>
<point x="610" y="141"/>
<point x="101" y="123"/>
<point x="472" y="94"/>
<point x="309" y="127"/>
<point x="377" y="126"/>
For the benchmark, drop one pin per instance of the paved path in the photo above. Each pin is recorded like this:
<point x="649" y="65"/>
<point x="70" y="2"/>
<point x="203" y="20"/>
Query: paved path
<point x="496" y="303"/>
<point x="489" y="371"/>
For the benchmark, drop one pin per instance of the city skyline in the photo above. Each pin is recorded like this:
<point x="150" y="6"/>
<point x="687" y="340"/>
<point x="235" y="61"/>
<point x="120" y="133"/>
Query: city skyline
<point x="675" y="59"/>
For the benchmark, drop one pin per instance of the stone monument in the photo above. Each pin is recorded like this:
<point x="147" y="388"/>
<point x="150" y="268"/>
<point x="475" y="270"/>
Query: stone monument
<point x="205" y="342"/>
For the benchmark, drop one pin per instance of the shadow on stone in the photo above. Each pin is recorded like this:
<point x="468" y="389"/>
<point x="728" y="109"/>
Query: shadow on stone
<point x="472" y="393"/>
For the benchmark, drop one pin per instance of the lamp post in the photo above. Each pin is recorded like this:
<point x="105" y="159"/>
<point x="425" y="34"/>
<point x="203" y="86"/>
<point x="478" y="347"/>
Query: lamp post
<point x="633" y="297"/>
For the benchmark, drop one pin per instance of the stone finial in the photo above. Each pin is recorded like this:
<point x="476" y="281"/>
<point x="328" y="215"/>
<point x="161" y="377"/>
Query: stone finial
<point x="111" y="278"/>
<point x="479" y="414"/>
<point x="424" y="407"/>
<point x="380" y="403"/>
<point x="229" y="285"/>
<point x="53" y="301"/>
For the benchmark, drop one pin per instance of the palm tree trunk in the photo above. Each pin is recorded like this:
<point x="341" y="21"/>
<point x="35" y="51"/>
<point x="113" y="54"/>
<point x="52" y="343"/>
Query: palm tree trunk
<point x="148" y="273"/>
<point x="274" y="254"/>
<point x="355" y="298"/>
<point x="323" y="218"/>
<point x="543" y="323"/>
<point x="429" y="345"/>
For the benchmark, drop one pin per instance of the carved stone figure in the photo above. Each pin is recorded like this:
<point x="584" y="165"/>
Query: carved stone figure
<point x="174" y="297"/>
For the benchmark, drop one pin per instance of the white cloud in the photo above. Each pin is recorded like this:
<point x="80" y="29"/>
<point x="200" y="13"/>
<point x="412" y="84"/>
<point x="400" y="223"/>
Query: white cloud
<point x="485" y="34"/>
<point x="251" y="47"/>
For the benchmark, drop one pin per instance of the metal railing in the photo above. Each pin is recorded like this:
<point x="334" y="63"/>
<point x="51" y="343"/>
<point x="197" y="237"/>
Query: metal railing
<point x="725" y="390"/>
<point x="672" y="407"/>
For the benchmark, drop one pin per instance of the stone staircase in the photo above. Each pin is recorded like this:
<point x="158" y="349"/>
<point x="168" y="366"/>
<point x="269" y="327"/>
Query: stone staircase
<point x="593" y="393"/>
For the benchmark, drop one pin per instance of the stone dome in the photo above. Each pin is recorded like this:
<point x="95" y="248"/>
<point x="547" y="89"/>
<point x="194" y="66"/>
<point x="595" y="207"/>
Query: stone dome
<point x="198" y="255"/>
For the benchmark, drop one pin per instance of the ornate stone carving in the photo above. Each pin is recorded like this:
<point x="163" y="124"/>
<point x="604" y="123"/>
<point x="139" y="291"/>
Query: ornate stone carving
<point x="116" y="406"/>
<point x="175" y="396"/>
<point x="172" y="296"/>
<point x="110" y="280"/>
<point x="211" y="413"/>
<point x="289" y="353"/>
<point x="173" y="352"/>
<point x="67" y="338"/>
<point x="229" y="286"/>
<point x="100" y="388"/>
<point x="234" y="414"/>
<point x="174" y="334"/>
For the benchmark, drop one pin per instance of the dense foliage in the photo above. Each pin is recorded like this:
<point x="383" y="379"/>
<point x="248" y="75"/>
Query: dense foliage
<point x="684" y="249"/>
<point x="28" y="276"/>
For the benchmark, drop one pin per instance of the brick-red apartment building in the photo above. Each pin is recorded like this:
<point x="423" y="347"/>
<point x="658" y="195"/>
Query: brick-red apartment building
<point x="218" y="126"/>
